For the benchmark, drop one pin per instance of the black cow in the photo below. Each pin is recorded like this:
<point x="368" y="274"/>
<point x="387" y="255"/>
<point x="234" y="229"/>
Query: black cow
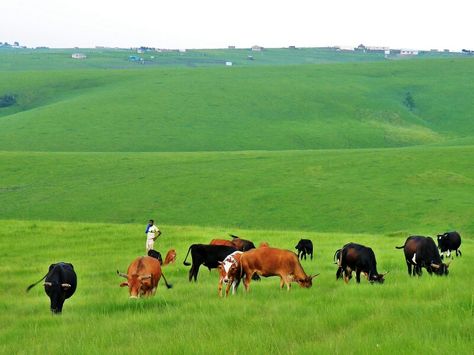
<point x="358" y="258"/>
<point x="449" y="241"/>
<point x="59" y="284"/>
<point x="207" y="255"/>
<point x="155" y="254"/>
<point x="241" y="244"/>
<point x="304" y="246"/>
<point x="421" y="252"/>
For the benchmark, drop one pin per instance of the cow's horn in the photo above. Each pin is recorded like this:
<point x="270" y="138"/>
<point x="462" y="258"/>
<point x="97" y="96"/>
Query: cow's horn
<point x="66" y="285"/>
<point x="47" y="284"/>
<point x="435" y="266"/>
<point x="385" y="273"/>
<point x="447" y="265"/>
<point x="122" y="274"/>
<point x="312" y="277"/>
<point x="145" y="277"/>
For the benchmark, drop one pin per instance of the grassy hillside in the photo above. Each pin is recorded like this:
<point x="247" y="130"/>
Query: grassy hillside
<point x="226" y="109"/>
<point x="411" y="315"/>
<point x="417" y="190"/>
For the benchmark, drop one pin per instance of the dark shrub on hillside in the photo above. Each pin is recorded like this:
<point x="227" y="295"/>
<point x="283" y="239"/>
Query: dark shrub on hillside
<point x="409" y="101"/>
<point x="7" y="100"/>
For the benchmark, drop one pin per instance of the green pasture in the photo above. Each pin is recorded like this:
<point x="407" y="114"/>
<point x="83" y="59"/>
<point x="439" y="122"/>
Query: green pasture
<point x="347" y="106"/>
<point x="335" y="147"/>
<point x="423" y="190"/>
<point x="407" y="315"/>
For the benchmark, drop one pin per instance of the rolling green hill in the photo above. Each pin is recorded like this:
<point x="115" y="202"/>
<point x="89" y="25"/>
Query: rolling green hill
<point x="360" y="105"/>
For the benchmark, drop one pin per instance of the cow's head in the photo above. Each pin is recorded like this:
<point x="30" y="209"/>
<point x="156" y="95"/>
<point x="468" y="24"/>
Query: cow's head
<point x="228" y="269"/>
<point x="440" y="269"/>
<point x="307" y="282"/>
<point x="137" y="284"/>
<point x="380" y="278"/>
<point x="57" y="294"/>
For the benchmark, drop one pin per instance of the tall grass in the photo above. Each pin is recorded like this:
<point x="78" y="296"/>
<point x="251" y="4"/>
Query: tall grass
<point x="408" y="315"/>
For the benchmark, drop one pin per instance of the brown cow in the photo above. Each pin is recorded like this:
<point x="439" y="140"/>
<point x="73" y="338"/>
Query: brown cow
<point x="143" y="276"/>
<point x="274" y="262"/>
<point x="229" y="273"/>
<point x="242" y="244"/>
<point x="227" y="243"/>
<point x="170" y="257"/>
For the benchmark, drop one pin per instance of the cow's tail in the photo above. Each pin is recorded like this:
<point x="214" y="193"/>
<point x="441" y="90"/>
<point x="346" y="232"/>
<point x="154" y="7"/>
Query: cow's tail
<point x="403" y="246"/>
<point x="233" y="236"/>
<point x="185" y="262"/>
<point x="37" y="282"/>
<point x="336" y="256"/>
<point x="166" y="282"/>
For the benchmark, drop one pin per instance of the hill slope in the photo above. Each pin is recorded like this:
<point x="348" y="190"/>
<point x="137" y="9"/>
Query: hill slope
<point x="226" y="109"/>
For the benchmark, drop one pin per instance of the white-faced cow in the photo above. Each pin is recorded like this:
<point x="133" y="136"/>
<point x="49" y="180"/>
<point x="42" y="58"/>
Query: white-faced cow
<point x="229" y="273"/>
<point x="449" y="241"/>
<point x="274" y="262"/>
<point x="358" y="258"/>
<point x="421" y="252"/>
<point x="207" y="255"/>
<point x="304" y="246"/>
<point x="59" y="284"/>
<point x="143" y="276"/>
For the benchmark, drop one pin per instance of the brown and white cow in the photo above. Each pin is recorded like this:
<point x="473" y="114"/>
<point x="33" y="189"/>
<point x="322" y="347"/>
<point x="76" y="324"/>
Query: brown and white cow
<point x="143" y="276"/>
<point x="229" y="273"/>
<point x="170" y="257"/>
<point x="274" y="262"/>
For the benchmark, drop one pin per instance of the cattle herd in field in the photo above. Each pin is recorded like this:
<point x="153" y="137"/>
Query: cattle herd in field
<point x="238" y="259"/>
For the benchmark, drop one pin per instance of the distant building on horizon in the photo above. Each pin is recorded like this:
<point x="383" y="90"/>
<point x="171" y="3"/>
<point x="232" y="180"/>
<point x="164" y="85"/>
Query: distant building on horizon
<point x="409" y="52"/>
<point x="78" y="56"/>
<point x="257" y="48"/>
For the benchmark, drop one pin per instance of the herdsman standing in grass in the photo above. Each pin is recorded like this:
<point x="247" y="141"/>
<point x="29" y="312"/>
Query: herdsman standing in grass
<point x="152" y="233"/>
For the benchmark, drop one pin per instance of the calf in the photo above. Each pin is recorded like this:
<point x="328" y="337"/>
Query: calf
<point x="207" y="255"/>
<point x="304" y="246"/>
<point x="358" y="258"/>
<point x="143" y="276"/>
<point x="229" y="273"/>
<point x="421" y="252"/>
<point x="274" y="262"/>
<point x="170" y="257"/>
<point x="59" y="284"/>
<point x="449" y="241"/>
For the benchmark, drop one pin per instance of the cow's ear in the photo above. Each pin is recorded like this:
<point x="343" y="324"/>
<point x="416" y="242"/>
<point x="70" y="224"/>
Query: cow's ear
<point x="124" y="284"/>
<point x="221" y="262"/>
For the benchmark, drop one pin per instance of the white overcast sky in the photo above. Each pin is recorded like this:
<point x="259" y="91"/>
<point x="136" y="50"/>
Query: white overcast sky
<point x="416" y="24"/>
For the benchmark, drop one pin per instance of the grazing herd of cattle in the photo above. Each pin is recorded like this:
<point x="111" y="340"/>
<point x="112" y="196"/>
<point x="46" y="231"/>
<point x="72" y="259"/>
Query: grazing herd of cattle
<point x="238" y="259"/>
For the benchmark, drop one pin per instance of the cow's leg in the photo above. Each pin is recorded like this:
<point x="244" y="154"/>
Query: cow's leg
<point x="247" y="279"/>
<point x="339" y="273"/>
<point x="311" y="255"/>
<point x="448" y="253"/>
<point x="303" y="255"/>
<point x="458" y="251"/>
<point x="409" y="268"/>
<point x="288" y="283"/>
<point x="219" y="287"/>
<point x="347" y="275"/>
<point x="282" y="282"/>
<point x="358" y="276"/>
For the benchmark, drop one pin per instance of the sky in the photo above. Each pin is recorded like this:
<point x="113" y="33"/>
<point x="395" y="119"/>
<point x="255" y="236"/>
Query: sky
<point x="410" y="24"/>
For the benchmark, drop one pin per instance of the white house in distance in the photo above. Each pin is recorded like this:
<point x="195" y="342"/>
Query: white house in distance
<point x="408" y="52"/>
<point x="229" y="64"/>
<point x="78" y="56"/>
<point x="257" y="48"/>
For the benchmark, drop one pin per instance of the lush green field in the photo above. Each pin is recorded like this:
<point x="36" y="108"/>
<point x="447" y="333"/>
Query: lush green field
<point x="411" y="190"/>
<point x="348" y="151"/>
<point x="231" y="109"/>
<point x="404" y="315"/>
